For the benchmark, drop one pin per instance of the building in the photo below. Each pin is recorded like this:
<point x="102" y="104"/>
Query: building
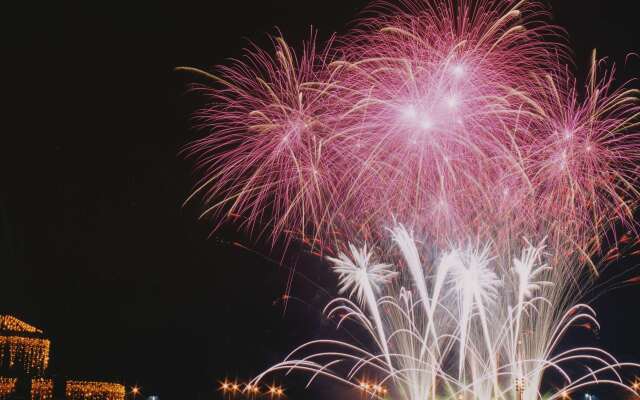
<point x="87" y="390"/>
<point x="24" y="359"/>
<point x="24" y="362"/>
<point x="23" y="348"/>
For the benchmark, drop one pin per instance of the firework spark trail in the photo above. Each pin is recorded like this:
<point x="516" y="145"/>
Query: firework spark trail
<point x="460" y="120"/>
<point x="482" y="342"/>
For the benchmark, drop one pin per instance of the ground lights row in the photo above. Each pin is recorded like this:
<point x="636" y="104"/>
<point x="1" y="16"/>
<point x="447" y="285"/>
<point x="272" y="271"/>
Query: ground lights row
<point x="233" y="388"/>
<point x="251" y="390"/>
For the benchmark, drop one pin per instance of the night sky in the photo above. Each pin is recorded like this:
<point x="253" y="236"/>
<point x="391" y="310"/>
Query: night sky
<point x="95" y="245"/>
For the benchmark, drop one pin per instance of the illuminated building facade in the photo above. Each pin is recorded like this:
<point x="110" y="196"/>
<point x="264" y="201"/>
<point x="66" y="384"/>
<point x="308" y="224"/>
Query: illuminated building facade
<point x="41" y="389"/>
<point x="7" y="387"/>
<point x="86" y="390"/>
<point x="23" y="348"/>
<point x="24" y="360"/>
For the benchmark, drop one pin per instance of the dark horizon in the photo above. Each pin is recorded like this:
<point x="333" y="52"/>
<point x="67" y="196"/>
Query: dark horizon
<point x="97" y="248"/>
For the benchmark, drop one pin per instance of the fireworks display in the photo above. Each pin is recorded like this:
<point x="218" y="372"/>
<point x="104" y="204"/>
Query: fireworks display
<point x="467" y="327"/>
<point x="466" y="189"/>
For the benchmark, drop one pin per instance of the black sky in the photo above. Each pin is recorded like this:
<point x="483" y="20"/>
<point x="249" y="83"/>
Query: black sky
<point x="95" y="246"/>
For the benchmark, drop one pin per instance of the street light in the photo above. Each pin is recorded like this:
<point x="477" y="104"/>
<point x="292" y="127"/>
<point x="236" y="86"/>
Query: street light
<point x="135" y="391"/>
<point x="276" y="391"/>
<point x="375" y="388"/>
<point x="251" y="390"/>
<point x="230" y="388"/>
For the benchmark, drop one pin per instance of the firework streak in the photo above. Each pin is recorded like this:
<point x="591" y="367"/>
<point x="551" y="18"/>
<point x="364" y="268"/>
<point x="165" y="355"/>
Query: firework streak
<point x="452" y="138"/>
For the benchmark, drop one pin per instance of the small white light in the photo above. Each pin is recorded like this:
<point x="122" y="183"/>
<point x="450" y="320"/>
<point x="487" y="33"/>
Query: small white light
<point x="410" y="112"/>
<point x="457" y="70"/>
<point x="563" y="160"/>
<point x="426" y="124"/>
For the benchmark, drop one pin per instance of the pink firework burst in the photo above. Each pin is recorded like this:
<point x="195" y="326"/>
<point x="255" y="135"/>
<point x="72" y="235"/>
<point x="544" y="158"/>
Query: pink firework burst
<point x="270" y="157"/>
<point x="583" y="157"/>
<point x="437" y="90"/>
<point x="456" y="118"/>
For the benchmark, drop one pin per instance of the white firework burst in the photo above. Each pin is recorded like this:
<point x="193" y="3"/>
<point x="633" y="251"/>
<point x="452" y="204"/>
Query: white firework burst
<point x="359" y="275"/>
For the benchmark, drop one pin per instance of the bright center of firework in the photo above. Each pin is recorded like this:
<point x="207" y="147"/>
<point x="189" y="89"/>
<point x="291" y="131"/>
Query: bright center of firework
<point x="410" y="113"/>
<point x="452" y="101"/>
<point x="563" y="160"/>
<point x="426" y="123"/>
<point x="417" y="119"/>
<point x="458" y="70"/>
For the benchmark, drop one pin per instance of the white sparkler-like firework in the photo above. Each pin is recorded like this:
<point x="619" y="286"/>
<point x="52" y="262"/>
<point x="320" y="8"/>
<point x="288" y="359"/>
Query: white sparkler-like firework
<point x="468" y="326"/>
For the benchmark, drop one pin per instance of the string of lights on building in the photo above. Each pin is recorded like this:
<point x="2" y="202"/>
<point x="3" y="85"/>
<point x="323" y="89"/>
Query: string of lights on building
<point x="41" y="389"/>
<point x="7" y="387"/>
<point x="82" y="390"/>
<point x="10" y="323"/>
<point x="31" y="353"/>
